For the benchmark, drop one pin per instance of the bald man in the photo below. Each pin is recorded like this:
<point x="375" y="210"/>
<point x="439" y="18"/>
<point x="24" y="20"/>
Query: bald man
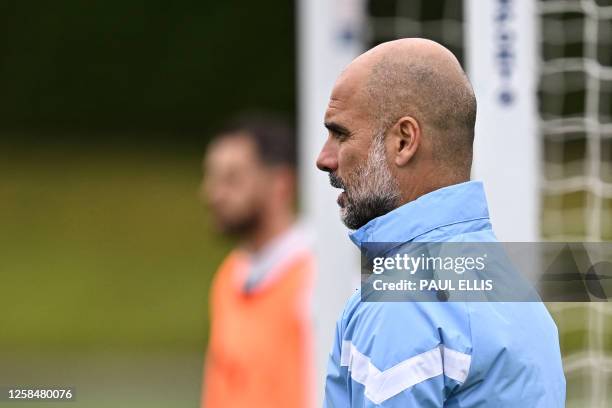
<point x="400" y="124"/>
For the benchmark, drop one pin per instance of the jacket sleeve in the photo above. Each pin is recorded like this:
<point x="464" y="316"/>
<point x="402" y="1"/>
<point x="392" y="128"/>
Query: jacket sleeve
<point x="397" y="358"/>
<point x="427" y="394"/>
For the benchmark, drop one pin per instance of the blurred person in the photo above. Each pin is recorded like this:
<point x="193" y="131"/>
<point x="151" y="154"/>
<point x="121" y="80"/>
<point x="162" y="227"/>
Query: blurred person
<point x="400" y="123"/>
<point x="259" y="352"/>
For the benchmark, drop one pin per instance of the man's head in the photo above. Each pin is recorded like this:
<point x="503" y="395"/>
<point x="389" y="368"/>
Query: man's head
<point x="401" y="124"/>
<point x="249" y="173"/>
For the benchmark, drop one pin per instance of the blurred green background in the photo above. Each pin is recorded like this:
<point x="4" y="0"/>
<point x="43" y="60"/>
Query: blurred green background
<point x="106" y="251"/>
<point x="154" y="65"/>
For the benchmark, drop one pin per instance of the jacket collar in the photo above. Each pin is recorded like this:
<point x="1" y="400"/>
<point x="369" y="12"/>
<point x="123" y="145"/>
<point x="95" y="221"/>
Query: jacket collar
<point x="446" y="206"/>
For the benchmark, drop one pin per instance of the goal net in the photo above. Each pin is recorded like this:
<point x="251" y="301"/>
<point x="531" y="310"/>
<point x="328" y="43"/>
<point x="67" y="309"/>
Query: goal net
<point x="575" y="106"/>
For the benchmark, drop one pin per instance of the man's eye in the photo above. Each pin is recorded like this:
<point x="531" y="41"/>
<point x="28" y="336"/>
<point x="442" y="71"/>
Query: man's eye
<point x="339" y="136"/>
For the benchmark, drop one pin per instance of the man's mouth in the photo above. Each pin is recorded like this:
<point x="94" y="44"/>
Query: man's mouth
<point x="336" y="182"/>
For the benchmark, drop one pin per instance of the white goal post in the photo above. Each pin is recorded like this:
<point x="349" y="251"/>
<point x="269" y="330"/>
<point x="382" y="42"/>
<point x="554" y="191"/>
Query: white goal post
<point x="501" y="50"/>
<point x="328" y="39"/>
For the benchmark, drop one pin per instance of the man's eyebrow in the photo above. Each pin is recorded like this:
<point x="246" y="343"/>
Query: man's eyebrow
<point x="337" y="128"/>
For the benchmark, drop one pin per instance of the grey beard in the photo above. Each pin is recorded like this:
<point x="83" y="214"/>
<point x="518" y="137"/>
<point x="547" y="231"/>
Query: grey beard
<point x="371" y="191"/>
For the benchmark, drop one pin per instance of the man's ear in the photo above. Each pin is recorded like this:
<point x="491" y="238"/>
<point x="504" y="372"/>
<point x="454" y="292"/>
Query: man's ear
<point x="405" y="138"/>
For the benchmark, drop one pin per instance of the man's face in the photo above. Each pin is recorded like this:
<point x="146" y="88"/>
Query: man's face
<point x="355" y="157"/>
<point x="235" y="184"/>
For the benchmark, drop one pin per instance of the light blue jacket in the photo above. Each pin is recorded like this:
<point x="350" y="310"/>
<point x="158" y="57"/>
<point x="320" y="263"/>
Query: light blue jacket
<point x="443" y="354"/>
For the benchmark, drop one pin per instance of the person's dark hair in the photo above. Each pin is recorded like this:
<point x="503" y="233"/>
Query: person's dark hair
<point x="274" y="137"/>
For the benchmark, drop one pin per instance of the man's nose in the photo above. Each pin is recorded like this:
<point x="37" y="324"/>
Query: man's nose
<point x="328" y="158"/>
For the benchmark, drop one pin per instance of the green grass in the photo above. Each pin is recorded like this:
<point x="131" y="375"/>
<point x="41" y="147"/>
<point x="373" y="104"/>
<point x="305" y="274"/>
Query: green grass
<point x="108" y="379"/>
<point x="106" y="260"/>
<point x="104" y="248"/>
